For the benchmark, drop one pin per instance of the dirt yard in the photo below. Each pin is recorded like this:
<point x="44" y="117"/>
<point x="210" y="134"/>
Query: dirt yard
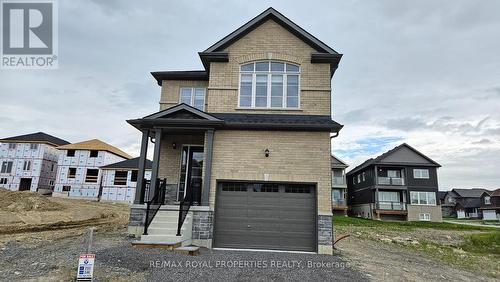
<point x="41" y="238"/>
<point x="406" y="252"/>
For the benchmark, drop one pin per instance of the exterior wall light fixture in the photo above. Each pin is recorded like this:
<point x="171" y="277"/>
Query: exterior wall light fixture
<point x="266" y="152"/>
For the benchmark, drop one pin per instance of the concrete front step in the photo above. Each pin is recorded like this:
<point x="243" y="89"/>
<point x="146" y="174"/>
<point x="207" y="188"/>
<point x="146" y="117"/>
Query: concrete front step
<point x="165" y="231"/>
<point x="160" y="224"/>
<point x="188" y="250"/>
<point x="165" y="240"/>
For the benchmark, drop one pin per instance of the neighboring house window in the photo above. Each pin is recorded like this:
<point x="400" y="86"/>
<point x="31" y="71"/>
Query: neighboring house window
<point x="92" y="175"/>
<point x="195" y="97"/>
<point x="363" y="176"/>
<point x="133" y="177"/>
<point x="52" y="167"/>
<point x="3" y="180"/>
<point x="66" y="188"/>
<point x="71" y="172"/>
<point x="33" y="146"/>
<point x="70" y="153"/>
<point x="94" y="153"/>
<point x="12" y="145"/>
<point x="6" y="167"/>
<point x="338" y="176"/>
<point x="120" y="178"/>
<point x="27" y="165"/>
<point x="423" y="198"/>
<point x="424" y="217"/>
<point x="421" y="173"/>
<point x="269" y="84"/>
<point x="394" y="173"/>
<point x="487" y="200"/>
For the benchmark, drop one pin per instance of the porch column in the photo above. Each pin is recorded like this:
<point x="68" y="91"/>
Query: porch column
<point x="156" y="163"/>
<point x="205" y="194"/>
<point x="139" y="189"/>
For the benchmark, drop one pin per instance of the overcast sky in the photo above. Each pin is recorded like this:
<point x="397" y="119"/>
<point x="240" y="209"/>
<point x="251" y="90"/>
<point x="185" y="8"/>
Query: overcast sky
<point x="422" y="72"/>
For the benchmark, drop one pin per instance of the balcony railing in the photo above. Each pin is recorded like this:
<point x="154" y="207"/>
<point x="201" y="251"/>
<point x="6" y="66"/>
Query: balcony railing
<point x="397" y="181"/>
<point x="338" y="180"/>
<point x="391" y="206"/>
<point x="339" y="202"/>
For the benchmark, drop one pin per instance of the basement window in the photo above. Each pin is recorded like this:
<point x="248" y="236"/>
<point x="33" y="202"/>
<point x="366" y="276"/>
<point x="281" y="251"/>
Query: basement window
<point x="424" y="217"/>
<point x="3" y="180"/>
<point x="120" y="178"/>
<point x="66" y="188"/>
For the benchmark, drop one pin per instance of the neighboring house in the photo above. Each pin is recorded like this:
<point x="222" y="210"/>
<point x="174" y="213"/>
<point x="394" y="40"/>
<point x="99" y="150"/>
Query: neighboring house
<point x="339" y="186"/>
<point x="29" y="162"/>
<point x="464" y="203"/>
<point x="400" y="184"/>
<point x="244" y="144"/>
<point x="119" y="180"/>
<point x="490" y="205"/>
<point x="78" y="174"/>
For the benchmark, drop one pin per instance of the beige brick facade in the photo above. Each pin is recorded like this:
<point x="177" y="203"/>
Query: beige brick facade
<point x="294" y="157"/>
<point x="269" y="41"/>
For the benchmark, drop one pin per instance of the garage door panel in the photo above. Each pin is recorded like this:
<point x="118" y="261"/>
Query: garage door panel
<point x="266" y="216"/>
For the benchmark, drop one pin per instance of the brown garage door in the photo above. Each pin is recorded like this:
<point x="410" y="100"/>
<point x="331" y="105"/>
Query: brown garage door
<point x="265" y="216"/>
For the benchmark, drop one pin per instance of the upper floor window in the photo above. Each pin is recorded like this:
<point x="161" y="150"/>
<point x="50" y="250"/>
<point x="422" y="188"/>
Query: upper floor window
<point x="70" y="153"/>
<point x="421" y="173"/>
<point x="6" y="167"/>
<point x="12" y="145"/>
<point x="94" y="153"/>
<point x="27" y="165"/>
<point x="487" y="200"/>
<point x="33" y="146"/>
<point x="269" y="84"/>
<point x="195" y="97"/>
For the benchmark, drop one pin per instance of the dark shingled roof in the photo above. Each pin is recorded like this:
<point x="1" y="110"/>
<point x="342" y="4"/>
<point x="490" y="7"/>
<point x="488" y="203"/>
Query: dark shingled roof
<point x="470" y="202"/>
<point x="470" y="193"/>
<point x="384" y="155"/>
<point x="132" y="163"/>
<point x="442" y="194"/>
<point x="40" y="137"/>
<point x="277" y="120"/>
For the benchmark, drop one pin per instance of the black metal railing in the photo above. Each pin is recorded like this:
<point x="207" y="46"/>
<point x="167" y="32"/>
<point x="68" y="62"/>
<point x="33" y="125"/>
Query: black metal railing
<point x="154" y="204"/>
<point x="396" y="181"/>
<point x="192" y="196"/>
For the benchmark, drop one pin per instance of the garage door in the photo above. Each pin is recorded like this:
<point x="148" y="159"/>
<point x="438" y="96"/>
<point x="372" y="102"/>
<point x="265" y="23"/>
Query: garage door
<point x="265" y="216"/>
<point x="489" y="215"/>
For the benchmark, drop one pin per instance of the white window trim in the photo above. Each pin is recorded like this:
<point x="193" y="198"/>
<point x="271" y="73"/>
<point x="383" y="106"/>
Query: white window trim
<point x="426" y="197"/>
<point x="420" y="174"/>
<point x="192" y="95"/>
<point x="422" y="217"/>
<point x="269" y="77"/>
<point x="487" y="200"/>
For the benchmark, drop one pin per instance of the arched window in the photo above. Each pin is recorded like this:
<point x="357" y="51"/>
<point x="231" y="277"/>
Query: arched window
<point x="269" y="84"/>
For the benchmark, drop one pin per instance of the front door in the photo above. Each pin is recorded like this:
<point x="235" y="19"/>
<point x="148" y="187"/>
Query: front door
<point x="191" y="173"/>
<point x="25" y="184"/>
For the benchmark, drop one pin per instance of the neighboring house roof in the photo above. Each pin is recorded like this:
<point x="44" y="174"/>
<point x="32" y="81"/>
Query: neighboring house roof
<point x="441" y="195"/>
<point x="95" y="144"/>
<point x="128" y="164"/>
<point x="39" y="137"/>
<point x="469" y="193"/>
<point x="337" y="162"/>
<point x="495" y="193"/>
<point x="185" y="115"/>
<point x="380" y="159"/>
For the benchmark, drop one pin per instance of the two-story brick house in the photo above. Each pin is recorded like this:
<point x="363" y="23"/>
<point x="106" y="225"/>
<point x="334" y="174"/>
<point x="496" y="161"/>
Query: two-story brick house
<point x="400" y="184"/>
<point x="244" y="145"/>
<point x="29" y="162"/>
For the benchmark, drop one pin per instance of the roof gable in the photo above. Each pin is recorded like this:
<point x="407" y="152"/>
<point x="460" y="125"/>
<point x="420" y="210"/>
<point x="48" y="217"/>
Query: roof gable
<point x="279" y="18"/>
<point x="182" y="111"/>
<point x="132" y="164"/>
<point x="403" y="154"/>
<point x="469" y="193"/>
<point x="337" y="162"/>
<point x="95" y="144"/>
<point x="38" y="137"/>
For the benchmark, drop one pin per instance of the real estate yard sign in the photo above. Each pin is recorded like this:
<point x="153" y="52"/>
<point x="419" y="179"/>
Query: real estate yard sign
<point x="85" y="267"/>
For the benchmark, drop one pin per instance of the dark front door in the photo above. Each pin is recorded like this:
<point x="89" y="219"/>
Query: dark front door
<point x="191" y="173"/>
<point x="278" y="216"/>
<point x="25" y="184"/>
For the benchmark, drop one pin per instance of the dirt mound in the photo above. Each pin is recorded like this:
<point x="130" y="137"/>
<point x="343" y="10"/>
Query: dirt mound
<point x="21" y="201"/>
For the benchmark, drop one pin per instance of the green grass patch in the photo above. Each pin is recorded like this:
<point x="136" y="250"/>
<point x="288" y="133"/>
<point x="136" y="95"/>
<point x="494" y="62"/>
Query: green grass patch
<point x="408" y="225"/>
<point x="483" y="243"/>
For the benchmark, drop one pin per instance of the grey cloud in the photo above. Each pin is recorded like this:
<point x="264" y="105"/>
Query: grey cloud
<point x="483" y="141"/>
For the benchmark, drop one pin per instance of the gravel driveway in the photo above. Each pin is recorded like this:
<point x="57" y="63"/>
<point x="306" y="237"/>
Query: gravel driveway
<point x="117" y="260"/>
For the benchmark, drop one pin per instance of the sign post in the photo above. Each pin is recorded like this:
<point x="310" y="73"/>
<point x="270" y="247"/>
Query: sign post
<point x="85" y="271"/>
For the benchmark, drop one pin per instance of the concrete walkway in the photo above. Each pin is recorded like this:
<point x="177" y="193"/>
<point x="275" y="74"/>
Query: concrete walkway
<point x="471" y="223"/>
